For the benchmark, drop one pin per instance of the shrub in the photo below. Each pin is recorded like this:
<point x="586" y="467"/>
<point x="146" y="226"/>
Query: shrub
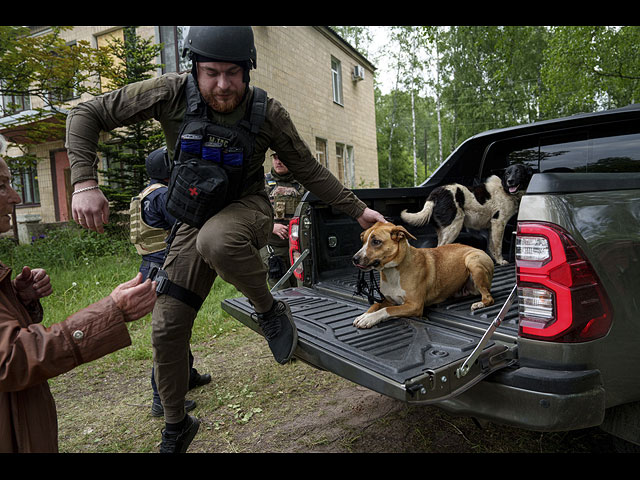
<point x="65" y="247"/>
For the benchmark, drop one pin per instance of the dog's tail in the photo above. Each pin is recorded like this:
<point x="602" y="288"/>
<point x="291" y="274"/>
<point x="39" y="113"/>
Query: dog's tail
<point x="420" y="218"/>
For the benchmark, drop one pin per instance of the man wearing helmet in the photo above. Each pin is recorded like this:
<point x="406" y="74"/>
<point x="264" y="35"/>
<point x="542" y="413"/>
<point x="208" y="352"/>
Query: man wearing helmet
<point x="214" y="109"/>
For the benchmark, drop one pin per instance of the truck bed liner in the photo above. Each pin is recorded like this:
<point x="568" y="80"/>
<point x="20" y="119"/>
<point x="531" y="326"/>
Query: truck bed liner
<point x="344" y="285"/>
<point x="388" y="356"/>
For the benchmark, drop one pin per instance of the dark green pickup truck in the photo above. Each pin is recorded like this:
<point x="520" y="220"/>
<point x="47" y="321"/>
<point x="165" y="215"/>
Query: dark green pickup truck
<point x="560" y="349"/>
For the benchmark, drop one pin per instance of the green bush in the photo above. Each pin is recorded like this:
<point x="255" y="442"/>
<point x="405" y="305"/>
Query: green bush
<point x="65" y="247"/>
<point x="85" y="266"/>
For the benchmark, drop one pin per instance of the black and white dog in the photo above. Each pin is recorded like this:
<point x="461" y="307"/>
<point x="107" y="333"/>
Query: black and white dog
<point x="489" y="205"/>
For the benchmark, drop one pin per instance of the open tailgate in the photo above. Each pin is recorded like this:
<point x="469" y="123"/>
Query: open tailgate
<point x="411" y="359"/>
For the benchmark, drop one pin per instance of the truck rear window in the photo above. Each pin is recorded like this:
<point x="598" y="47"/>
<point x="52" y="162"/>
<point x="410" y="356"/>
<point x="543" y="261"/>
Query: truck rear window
<point x="576" y="153"/>
<point x="619" y="153"/>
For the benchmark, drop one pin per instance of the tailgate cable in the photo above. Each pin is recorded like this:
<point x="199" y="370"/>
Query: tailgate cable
<point x="466" y="366"/>
<point x="286" y="276"/>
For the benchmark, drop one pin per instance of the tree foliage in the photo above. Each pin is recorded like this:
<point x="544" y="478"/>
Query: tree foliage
<point x="590" y="67"/>
<point x="453" y="82"/>
<point x="49" y="71"/>
<point x="129" y="146"/>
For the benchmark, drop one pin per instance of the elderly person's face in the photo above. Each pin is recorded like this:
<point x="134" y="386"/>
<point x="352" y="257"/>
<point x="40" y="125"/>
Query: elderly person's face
<point x="8" y="197"/>
<point x="221" y="85"/>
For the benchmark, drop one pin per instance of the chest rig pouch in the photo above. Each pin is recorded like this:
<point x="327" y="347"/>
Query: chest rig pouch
<point x="210" y="160"/>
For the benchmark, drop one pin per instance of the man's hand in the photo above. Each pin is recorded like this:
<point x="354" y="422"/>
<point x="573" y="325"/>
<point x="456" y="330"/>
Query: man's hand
<point x="281" y="230"/>
<point x="32" y="285"/>
<point x="135" y="298"/>
<point x="90" y="208"/>
<point x="369" y="218"/>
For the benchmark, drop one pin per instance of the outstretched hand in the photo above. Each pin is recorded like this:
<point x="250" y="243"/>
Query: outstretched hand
<point x="135" y="298"/>
<point x="32" y="285"/>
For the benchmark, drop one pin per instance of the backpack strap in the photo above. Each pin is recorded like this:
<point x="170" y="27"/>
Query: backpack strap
<point x="195" y="104"/>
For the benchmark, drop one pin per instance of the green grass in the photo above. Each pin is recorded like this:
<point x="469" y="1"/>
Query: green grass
<point x="85" y="267"/>
<point x="79" y="286"/>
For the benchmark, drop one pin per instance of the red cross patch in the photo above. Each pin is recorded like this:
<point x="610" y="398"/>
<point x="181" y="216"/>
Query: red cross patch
<point x="193" y="191"/>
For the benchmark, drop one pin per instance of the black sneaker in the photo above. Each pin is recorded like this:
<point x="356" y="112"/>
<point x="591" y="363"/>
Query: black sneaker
<point x="279" y="330"/>
<point x="158" y="411"/>
<point x="179" y="442"/>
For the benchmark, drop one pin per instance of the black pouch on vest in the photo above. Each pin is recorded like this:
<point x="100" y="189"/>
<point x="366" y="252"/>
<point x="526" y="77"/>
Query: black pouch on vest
<point x="198" y="190"/>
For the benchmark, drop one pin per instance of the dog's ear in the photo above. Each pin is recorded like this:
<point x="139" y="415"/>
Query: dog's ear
<point x="399" y="232"/>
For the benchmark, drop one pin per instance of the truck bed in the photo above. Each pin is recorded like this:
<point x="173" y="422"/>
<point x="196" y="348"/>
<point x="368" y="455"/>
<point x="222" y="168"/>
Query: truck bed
<point x="400" y="356"/>
<point x="459" y="310"/>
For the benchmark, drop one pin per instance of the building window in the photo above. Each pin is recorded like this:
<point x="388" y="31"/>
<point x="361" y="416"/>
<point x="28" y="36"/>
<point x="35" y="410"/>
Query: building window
<point x="65" y="91"/>
<point x="10" y="104"/>
<point x="172" y="39"/>
<point x="346" y="165"/>
<point x="25" y="182"/>
<point x="112" y="169"/>
<point x="321" y="152"/>
<point x="350" y="166"/>
<point x="336" y="80"/>
<point x="340" y="159"/>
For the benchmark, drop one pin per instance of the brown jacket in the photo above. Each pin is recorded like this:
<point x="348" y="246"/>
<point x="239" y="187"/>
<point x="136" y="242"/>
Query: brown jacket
<point x="163" y="99"/>
<point x="31" y="353"/>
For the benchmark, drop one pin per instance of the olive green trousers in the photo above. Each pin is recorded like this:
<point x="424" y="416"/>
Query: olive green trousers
<point x="227" y="245"/>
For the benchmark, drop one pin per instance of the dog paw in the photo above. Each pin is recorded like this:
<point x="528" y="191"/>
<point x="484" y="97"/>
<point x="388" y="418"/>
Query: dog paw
<point x="502" y="262"/>
<point x="477" y="306"/>
<point x="366" y="320"/>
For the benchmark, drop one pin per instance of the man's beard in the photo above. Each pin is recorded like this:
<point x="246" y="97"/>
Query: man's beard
<point x="225" y="106"/>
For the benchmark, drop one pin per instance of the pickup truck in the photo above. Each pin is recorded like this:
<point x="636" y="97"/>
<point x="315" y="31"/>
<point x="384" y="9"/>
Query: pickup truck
<point x="560" y="349"/>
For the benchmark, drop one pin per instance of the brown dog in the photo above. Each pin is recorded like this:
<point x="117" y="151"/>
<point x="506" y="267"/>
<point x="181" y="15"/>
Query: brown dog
<point x="411" y="278"/>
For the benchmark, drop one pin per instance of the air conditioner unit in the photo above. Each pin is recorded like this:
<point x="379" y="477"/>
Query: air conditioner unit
<point x="358" y="73"/>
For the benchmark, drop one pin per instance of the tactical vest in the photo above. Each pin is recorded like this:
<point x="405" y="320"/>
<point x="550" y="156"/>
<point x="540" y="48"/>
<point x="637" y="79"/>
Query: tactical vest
<point x="147" y="239"/>
<point x="210" y="160"/>
<point x="285" y="196"/>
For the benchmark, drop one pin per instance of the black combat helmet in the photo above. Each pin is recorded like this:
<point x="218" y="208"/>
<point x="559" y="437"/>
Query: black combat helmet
<point x="157" y="164"/>
<point x="222" y="44"/>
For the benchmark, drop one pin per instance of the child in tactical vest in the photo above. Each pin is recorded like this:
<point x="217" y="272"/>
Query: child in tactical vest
<point x="150" y="224"/>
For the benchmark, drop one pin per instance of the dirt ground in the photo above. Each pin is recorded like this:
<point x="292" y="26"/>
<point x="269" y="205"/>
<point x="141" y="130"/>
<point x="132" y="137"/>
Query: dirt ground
<point x="254" y="405"/>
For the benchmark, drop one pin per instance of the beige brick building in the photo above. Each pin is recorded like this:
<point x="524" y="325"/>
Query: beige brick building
<point x="325" y="84"/>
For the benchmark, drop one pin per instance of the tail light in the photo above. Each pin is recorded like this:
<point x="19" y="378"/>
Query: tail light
<point x="294" y="246"/>
<point x="560" y="297"/>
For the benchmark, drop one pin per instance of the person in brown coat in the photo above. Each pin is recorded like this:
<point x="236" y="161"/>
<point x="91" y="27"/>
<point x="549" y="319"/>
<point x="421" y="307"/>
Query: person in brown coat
<point x="31" y="353"/>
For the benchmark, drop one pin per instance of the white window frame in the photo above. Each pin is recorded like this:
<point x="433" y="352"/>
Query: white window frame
<point x="336" y="80"/>
<point x="321" y="152"/>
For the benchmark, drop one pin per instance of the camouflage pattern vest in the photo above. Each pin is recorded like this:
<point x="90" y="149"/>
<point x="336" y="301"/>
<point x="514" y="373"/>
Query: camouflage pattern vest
<point x="285" y="194"/>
